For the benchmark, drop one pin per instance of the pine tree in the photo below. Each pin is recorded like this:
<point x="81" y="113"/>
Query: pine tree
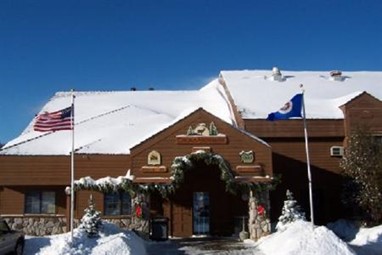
<point x="362" y="167"/>
<point x="291" y="212"/>
<point x="91" y="221"/>
<point x="190" y="131"/>
<point x="213" y="130"/>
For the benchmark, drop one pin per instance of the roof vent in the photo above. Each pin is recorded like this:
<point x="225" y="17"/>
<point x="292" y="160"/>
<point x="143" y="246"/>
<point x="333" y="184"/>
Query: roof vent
<point x="276" y="74"/>
<point x="336" y="75"/>
<point x="336" y="151"/>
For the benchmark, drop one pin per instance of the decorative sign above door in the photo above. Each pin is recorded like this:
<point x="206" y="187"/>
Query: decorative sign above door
<point x="202" y="134"/>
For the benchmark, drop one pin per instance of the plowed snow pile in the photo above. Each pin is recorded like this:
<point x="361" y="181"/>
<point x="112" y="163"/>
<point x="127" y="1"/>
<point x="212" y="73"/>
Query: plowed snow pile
<point x="300" y="238"/>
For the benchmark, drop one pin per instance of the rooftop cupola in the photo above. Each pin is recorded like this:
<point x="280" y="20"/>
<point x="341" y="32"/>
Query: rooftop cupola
<point x="276" y="74"/>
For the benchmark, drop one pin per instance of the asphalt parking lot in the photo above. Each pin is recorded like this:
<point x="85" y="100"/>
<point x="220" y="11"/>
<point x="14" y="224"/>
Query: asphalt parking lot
<point x="200" y="246"/>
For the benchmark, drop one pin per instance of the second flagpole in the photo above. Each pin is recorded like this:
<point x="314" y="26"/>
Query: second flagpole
<point x="308" y="161"/>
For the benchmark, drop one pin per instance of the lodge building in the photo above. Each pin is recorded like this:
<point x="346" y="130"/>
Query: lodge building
<point x="194" y="157"/>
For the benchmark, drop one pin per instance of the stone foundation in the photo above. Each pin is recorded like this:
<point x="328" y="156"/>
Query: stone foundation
<point x="53" y="225"/>
<point x="37" y="225"/>
<point x="139" y="225"/>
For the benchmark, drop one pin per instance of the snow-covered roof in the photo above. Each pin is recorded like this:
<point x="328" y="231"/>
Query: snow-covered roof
<point x="257" y="93"/>
<point x="114" y="122"/>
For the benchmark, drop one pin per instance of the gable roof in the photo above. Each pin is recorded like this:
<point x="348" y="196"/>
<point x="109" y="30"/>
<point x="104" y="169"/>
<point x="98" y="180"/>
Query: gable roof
<point x="211" y="118"/>
<point x="362" y="95"/>
<point x="114" y="122"/>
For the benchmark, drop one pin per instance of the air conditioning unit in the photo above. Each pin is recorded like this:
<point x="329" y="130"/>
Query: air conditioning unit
<point x="336" y="151"/>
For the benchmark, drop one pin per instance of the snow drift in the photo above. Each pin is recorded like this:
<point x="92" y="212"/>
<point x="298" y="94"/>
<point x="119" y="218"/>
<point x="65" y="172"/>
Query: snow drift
<point x="112" y="240"/>
<point x="299" y="238"/>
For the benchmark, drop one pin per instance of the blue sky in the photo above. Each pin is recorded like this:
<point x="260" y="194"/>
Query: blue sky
<point x="56" y="45"/>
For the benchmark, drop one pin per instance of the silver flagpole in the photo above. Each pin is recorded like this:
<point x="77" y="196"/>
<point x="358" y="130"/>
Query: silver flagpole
<point x="72" y="174"/>
<point x="308" y="161"/>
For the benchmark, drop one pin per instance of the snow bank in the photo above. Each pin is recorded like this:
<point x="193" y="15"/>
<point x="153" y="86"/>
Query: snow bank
<point x="344" y="229"/>
<point x="112" y="240"/>
<point x="368" y="241"/>
<point x="365" y="241"/>
<point x="300" y="238"/>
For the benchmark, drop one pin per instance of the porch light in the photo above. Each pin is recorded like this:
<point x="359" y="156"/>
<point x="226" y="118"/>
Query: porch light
<point x="67" y="190"/>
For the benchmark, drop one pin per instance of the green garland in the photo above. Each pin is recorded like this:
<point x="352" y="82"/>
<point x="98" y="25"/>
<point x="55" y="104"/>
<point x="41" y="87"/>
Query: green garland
<point x="107" y="186"/>
<point x="179" y="167"/>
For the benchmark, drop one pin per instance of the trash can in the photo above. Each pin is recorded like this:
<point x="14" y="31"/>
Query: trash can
<point x="159" y="229"/>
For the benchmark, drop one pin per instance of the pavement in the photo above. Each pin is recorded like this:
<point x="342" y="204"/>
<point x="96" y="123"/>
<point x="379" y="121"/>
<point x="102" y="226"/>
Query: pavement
<point x="200" y="246"/>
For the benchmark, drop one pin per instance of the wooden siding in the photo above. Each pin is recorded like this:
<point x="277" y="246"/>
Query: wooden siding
<point x="11" y="201"/>
<point x="55" y="170"/>
<point x="165" y="143"/>
<point x="99" y="166"/>
<point x="289" y="160"/>
<point x="364" y="111"/>
<point x="82" y="202"/>
<point x="295" y="128"/>
<point x="34" y="170"/>
<point x="319" y="151"/>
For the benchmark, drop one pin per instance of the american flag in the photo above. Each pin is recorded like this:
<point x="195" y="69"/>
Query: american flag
<point x="54" y="121"/>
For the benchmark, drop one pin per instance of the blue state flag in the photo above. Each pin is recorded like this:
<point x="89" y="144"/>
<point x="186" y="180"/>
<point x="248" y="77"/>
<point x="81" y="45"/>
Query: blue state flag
<point x="290" y="110"/>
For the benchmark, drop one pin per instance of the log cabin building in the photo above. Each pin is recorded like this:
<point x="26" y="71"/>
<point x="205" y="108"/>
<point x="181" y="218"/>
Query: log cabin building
<point x="194" y="157"/>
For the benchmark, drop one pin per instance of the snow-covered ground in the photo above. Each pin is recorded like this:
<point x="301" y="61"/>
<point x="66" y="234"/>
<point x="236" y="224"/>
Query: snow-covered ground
<point x="298" y="238"/>
<point x="112" y="240"/>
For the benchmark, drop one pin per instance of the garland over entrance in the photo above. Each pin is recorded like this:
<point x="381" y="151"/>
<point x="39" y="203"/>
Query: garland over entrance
<point x="179" y="167"/>
<point x="183" y="164"/>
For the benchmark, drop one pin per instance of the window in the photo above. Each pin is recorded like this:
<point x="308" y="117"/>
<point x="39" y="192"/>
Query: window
<point x="378" y="139"/>
<point x="4" y="229"/>
<point x="117" y="203"/>
<point x="40" y="202"/>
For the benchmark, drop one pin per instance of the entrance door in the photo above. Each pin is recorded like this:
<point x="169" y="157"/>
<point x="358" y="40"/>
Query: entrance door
<point x="181" y="220"/>
<point x="201" y="205"/>
<point x="201" y="213"/>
